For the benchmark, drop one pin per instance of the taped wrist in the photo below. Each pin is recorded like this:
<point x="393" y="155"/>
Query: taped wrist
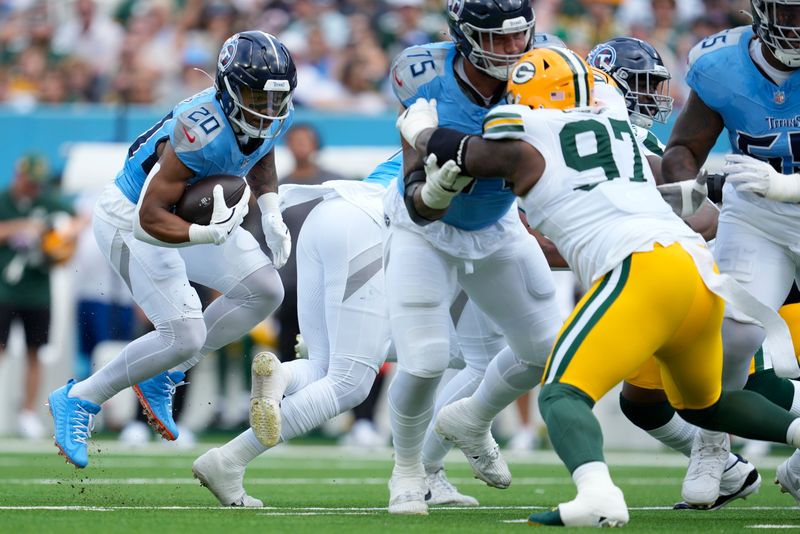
<point x="449" y="144"/>
<point x="715" y="183"/>
<point x="411" y="182"/>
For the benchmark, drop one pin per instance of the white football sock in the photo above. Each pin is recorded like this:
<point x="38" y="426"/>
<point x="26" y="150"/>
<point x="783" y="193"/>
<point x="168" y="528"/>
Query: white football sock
<point x="410" y="410"/>
<point x="507" y="377"/>
<point x="143" y="358"/>
<point x="435" y="447"/>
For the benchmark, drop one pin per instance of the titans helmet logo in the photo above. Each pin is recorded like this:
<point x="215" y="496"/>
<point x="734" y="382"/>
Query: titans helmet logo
<point x="602" y="57"/>
<point x="227" y="53"/>
<point x="454" y="8"/>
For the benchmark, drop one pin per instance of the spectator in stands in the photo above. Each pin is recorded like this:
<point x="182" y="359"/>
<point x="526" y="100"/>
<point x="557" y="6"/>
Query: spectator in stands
<point x="31" y="243"/>
<point x="92" y="36"/>
<point x="304" y="143"/>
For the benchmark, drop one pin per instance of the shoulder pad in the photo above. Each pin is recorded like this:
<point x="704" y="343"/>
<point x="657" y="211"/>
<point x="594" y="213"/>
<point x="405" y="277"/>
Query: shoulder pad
<point x="196" y="127"/>
<point x="416" y="66"/>
<point x="649" y="140"/>
<point x="505" y="122"/>
<point x="601" y="76"/>
<point x="715" y="42"/>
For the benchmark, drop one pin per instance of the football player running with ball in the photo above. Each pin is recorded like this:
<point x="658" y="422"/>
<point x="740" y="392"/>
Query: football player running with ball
<point x="757" y="238"/>
<point x="583" y="183"/>
<point x="230" y="128"/>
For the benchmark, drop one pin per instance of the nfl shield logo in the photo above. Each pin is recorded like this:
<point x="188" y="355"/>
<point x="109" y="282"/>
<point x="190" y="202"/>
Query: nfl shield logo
<point x="780" y="97"/>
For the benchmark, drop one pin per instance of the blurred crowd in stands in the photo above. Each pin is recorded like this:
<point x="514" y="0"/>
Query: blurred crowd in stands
<point x="157" y="51"/>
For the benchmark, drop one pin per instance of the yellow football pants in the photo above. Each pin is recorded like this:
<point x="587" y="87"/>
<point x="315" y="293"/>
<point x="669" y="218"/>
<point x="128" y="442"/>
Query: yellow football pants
<point x="653" y="305"/>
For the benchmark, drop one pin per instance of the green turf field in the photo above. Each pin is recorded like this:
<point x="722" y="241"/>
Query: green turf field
<point x="332" y="489"/>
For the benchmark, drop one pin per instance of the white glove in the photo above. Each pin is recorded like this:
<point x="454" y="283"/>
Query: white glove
<point x="442" y="183"/>
<point x="759" y="177"/>
<point x="223" y="219"/>
<point x="275" y="231"/>
<point x="419" y="116"/>
<point x="685" y="197"/>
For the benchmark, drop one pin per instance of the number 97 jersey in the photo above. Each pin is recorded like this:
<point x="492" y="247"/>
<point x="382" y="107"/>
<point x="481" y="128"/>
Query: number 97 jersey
<point x="596" y="199"/>
<point x="202" y="139"/>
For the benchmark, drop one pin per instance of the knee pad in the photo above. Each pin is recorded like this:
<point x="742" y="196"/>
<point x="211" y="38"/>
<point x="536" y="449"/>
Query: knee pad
<point x="263" y="289"/>
<point x="352" y="382"/>
<point x="185" y="336"/>
<point x="647" y="416"/>
<point x="699" y="417"/>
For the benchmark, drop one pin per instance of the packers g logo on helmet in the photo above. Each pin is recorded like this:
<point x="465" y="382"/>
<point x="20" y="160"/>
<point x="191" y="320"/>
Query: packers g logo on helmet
<point x="523" y="72"/>
<point x="551" y="78"/>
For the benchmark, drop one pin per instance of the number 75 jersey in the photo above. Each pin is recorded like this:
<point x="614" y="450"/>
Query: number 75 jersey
<point x="597" y="199"/>
<point x="202" y="139"/>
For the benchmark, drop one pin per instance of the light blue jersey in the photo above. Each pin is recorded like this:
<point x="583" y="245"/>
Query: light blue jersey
<point x="427" y="72"/>
<point x="762" y="119"/>
<point x="202" y="139"/>
<point x="387" y="171"/>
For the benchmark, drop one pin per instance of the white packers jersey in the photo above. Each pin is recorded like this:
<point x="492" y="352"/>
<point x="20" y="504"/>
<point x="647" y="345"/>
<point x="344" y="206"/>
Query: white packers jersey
<point x="596" y="199"/>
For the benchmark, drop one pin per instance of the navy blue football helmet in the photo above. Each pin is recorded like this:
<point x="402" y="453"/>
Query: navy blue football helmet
<point x="777" y="24"/>
<point x="640" y="73"/>
<point x="475" y="23"/>
<point x="255" y="79"/>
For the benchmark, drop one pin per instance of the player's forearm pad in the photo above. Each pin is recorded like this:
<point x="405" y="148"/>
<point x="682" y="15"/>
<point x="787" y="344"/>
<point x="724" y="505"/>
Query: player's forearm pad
<point x="449" y="144"/>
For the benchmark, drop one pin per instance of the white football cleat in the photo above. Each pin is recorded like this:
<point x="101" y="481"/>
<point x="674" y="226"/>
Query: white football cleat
<point x="701" y="485"/>
<point x="441" y="491"/>
<point x="738" y="482"/>
<point x="269" y="381"/>
<point x="407" y="495"/>
<point x="223" y="480"/>
<point x="454" y="423"/>
<point x="603" y="507"/>
<point x="788" y="480"/>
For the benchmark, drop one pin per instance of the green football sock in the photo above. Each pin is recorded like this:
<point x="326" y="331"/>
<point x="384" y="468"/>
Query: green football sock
<point x="574" y="431"/>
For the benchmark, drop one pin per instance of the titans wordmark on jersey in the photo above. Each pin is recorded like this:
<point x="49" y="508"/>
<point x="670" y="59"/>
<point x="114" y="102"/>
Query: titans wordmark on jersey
<point x="762" y="118"/>
<point x="202" y="139"/>
<point x="427" y="72"/>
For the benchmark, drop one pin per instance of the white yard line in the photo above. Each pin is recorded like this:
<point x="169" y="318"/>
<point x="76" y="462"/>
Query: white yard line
<point x="309" y="510"/>
<point x="304" y="481"/>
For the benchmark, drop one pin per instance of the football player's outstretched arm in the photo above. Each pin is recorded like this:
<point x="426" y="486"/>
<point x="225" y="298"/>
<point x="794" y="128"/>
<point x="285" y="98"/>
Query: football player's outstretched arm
<point x="263" y="182"/>
<point x="163" y="188"/>
<point x="694" y="134"/>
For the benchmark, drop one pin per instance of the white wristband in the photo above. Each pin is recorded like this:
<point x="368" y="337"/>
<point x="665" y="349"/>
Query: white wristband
<point x="269" y="203"/>
<point x="200" y="234"/>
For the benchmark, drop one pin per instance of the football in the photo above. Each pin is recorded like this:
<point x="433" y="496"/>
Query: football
<point x="197" y="202"/>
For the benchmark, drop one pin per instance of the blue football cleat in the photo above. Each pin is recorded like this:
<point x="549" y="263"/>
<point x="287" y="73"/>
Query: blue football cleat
<point x="155" y="396"/>
<point x="73" y="420"/>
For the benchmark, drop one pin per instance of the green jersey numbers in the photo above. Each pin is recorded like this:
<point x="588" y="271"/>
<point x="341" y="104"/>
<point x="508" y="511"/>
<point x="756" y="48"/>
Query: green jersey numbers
<point x="587" y="144"/>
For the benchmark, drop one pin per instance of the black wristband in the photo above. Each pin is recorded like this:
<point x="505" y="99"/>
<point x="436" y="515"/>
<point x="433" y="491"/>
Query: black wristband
<point x="411" y="182"/>
<point x="715" y="183"/>
<point x="449" y="144"/>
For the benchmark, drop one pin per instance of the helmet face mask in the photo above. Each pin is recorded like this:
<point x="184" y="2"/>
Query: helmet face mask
<point x="255" y="79"/>
<point x="639" y="72"/>
<point x="777" y="24"/>
<point x="485" y="30"/>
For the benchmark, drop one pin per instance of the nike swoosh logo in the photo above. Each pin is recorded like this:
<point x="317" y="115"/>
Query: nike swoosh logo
<point x="188" y="136"/>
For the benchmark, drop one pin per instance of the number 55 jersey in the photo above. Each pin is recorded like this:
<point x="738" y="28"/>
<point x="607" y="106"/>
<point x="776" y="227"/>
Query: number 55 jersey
<point x="762" y="117"/>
